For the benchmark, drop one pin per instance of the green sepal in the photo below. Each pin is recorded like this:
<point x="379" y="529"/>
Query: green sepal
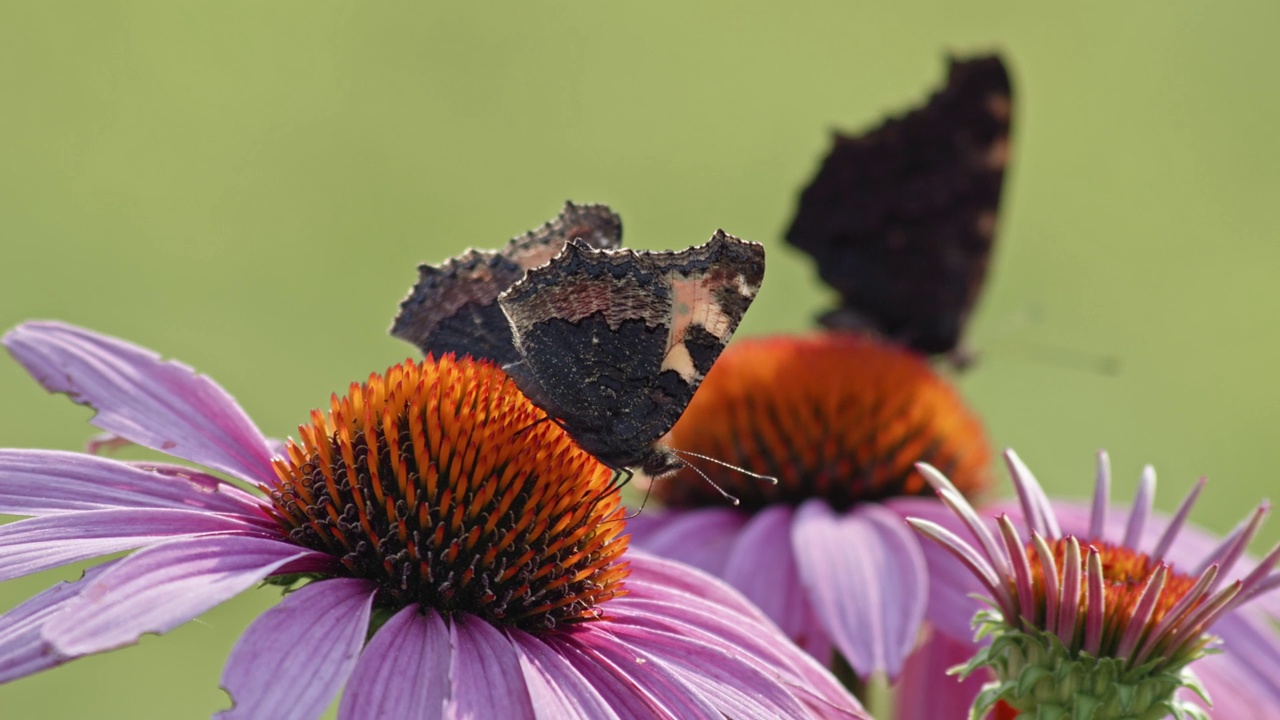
<point x="1044" y="680"/>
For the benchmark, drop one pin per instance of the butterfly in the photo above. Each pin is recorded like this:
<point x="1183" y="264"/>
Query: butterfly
<point x="901" y="219"/>
<point x="611" y="343"/>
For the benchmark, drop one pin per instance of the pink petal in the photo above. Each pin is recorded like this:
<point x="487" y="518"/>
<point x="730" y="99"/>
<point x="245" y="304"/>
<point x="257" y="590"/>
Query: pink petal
<point x="1142" y="504"/>
<point x="403" y="672"/>
<point x="23" y="649"/>
<point x="950" y="608"/>
<point x="1237" y="689"/>
<point x="659" y="598"/>
<point x="653" y="576"/>
<point x="866" y="578"/>
<point x="762" y="566"/>
<point x="701" y="538"/>
<point x="162" y="405"/>
<point x="660" y="685"/>
<point x="926" y="692"/>
<point x="40" y="543"/>
<point x="158" y="588"/>
<point x="1101" y="497"/>
<point x="487" y="679"/>
<point x="556" y="688"/>
<point x="1247" y="670"/>
<point x="293" y="660"/>
<point x="49" y="482"/>
<point x="622" y="696"/>
<point x="1036" y="508"/>
<point x="414" y="648"/>
<point x="734" y="686"/>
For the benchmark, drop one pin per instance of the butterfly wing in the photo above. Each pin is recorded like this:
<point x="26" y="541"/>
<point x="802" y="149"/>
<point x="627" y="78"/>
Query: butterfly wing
<point x="454" y="305"/>
<point x="901" y="220"/>
<point x="615" y="342"/>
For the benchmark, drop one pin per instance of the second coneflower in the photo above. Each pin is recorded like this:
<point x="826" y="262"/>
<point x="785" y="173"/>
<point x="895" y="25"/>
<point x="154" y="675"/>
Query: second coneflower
<point x="840" y="419"/>
<point x="453" y="556"/>
<point x="1083" y="626"/>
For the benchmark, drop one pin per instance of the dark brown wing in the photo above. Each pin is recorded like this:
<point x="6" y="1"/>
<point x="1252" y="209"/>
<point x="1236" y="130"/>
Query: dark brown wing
<point x="454" y="305"/>
<point x="901" y="220"/>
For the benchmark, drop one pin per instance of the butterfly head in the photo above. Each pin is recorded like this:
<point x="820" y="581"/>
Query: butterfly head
<point x="659" y="463"/>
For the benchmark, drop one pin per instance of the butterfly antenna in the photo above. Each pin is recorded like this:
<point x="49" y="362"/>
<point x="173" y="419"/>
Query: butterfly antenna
<point x="767" y="478"/>
<point x="732" y="499"/>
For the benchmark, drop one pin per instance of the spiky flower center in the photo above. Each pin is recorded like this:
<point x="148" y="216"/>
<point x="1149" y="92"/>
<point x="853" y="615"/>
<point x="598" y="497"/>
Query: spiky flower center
<point x="839" y="416"/>
<point x="441" y="482"/>
<point x="1125" y="574"/>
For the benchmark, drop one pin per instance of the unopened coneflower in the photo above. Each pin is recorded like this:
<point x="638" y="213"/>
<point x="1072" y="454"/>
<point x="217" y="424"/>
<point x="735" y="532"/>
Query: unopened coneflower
<point x="840" y="419"/>
<point x="1093" y="625"/>
<point x="449" y="555"/>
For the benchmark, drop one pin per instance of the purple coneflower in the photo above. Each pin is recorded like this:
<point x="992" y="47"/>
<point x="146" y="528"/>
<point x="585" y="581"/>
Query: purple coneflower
<point x="452" y="555"/>
<point x="840" y="419"/>
<point x="1090" y="625"/>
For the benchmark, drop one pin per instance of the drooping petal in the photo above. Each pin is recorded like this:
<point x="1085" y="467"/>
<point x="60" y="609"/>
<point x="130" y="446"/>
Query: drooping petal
<point x="622" y="695"/>
<point x="165" y="406"/>
<point x="1237" y="689"/>
<point x="657" y="683"/>
<point x="1035" y="503"/>
<point x="23" y="649"/>
<point x="1190" y="551"/>
<point x="734" y="686"/>
<point x="39" y="543"/>
<point x="293" y="660"/>
<point x="556" y="688"/>
<point x="158" y="588"/>
<point x="926" y="692"/>
<point x="701" y="538"/>
<point x="487" y="680"/>
<point x="1142" y="504"/>
<point x="658" y="577"/>
<point x="670" y="596"/>
<point x="1101" y="496"/>
<point x="49" y="482"/>
<point x="762" y="566"/>
<point x="1177" y="522"/>
<point x="1252" y="654"/>
<point x="866" y="577"/>
<point x="951" y="585"/>
<point x="403" y="672"/>
<point x="997" y="558"/>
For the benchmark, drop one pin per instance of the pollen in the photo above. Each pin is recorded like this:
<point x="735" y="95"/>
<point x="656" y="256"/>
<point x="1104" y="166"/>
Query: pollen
<point x="443" y="484"/>
<point x="839" y="416"/>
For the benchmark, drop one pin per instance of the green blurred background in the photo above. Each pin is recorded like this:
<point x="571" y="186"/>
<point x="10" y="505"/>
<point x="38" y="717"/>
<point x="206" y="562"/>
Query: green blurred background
<point x="249" y="186"/>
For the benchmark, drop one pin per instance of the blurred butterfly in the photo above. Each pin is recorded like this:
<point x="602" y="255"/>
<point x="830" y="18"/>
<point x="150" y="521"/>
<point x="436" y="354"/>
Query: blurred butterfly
<point x="610" y="343"/>
<point x="901" y="219"/>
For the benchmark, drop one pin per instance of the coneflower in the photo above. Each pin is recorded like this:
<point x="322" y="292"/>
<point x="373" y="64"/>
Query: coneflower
<point x="449" y="554"/>
<point x="1093" y="626"/>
